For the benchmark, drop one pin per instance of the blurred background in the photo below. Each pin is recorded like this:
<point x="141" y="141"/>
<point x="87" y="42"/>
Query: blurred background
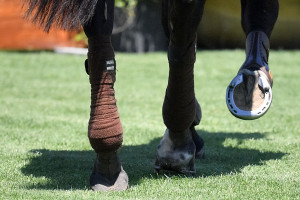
<point x="138" y="28"/>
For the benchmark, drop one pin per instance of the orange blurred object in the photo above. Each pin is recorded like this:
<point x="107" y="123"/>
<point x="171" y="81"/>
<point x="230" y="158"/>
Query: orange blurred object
<point x="18" y="34"/>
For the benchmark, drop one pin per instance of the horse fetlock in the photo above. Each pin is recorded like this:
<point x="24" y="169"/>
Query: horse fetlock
<point x="108" y="174"/>
<point x="176" y="152"/>
<point x="106" y="144"/>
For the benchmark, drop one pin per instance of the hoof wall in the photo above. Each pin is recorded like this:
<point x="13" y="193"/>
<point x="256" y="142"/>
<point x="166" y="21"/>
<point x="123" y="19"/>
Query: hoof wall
<point x="103" y="184"/>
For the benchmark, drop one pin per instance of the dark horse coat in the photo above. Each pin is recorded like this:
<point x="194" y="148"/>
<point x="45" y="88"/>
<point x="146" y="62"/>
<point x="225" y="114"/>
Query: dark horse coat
<point x="64" y="14"/>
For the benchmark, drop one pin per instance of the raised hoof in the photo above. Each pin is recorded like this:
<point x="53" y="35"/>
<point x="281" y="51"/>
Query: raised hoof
<point x="249" y="95"/>
<point x="176" y="154"/>
<point x="118" y="183"/>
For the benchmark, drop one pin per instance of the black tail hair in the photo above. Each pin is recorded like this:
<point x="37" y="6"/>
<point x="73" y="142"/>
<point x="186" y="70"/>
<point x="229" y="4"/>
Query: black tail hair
<point x="63" y="14"/>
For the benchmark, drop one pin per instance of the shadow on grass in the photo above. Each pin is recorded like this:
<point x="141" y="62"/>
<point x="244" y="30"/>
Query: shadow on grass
<point x="71" y="169"/>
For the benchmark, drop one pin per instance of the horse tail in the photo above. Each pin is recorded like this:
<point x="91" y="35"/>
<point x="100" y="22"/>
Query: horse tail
<point x="63" y="14"/>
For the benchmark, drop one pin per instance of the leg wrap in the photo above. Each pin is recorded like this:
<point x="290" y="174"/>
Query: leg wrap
<point x="105" y="130"/>
<point x="259" y="15"/>
<point x="179" y="107"/>
<point x="180" y="20"/>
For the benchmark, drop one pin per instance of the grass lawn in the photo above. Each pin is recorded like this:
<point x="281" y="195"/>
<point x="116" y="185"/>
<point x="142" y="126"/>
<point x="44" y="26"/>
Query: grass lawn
<point x="45" y="153"/>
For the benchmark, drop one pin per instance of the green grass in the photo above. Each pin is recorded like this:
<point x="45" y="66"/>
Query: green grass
<point x="45" y="153"/>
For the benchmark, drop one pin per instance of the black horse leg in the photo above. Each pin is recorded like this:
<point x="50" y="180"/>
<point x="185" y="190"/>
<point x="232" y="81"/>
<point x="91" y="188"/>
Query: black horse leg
<point x="105" y="129"/>
<point x="259" y="15"/>
<point x="177" y="149"/>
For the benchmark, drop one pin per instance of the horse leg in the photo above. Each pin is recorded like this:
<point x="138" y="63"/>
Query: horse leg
<point x="181" y="111"/>
<point x="250" y="94"/>
<point x="105" y="129"/>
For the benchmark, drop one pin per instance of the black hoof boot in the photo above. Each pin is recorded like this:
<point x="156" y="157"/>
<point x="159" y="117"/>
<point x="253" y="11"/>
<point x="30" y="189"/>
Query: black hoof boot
<point x="176" y="152"/>
<point x="108" y="174"/>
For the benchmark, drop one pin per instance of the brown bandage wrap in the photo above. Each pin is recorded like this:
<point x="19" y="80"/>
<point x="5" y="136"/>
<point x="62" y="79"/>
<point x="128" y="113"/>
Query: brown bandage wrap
<point x="179" y="107"/>
<point x="105" y="130"/>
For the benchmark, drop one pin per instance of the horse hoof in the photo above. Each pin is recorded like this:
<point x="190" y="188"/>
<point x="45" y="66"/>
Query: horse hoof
<point x="176" y="153"/>
<point x="108" y="174"/>
<point x="249" y="95"/>
<point x="103" y="184"/>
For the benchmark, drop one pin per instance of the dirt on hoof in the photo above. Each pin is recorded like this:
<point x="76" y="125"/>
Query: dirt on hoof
<point x="176" y="156"/>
